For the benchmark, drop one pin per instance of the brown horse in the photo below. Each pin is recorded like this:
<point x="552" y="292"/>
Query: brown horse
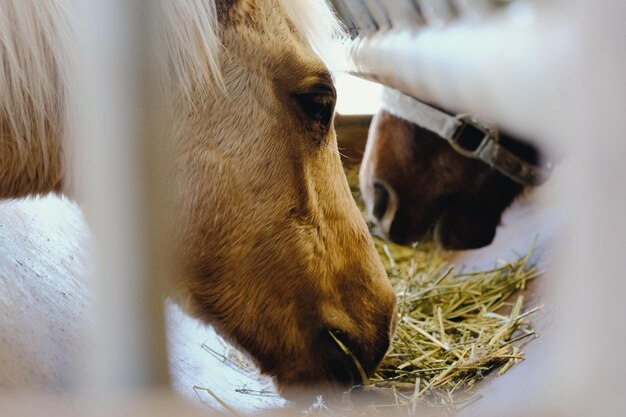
<point x="275" y="253"/>
<point x="416" y="186"/>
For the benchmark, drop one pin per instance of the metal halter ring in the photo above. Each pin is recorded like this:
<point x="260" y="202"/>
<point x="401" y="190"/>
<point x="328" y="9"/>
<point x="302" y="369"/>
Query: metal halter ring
<point x="466" y="139"/>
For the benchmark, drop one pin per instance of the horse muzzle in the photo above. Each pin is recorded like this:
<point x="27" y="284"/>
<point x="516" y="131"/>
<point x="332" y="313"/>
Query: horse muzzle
<point x="342" y="362"/>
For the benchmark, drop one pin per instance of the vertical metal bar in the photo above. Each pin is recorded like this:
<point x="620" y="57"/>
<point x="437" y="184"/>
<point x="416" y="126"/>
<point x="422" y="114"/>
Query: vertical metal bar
<point x="591" y="286"/>
<point x="129" y="353"/>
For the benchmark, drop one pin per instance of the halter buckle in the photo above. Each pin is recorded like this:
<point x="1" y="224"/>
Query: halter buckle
<point x="472" y="135"/>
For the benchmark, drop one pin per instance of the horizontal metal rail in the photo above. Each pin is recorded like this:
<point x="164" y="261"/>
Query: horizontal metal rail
<point x="479" y="64"/>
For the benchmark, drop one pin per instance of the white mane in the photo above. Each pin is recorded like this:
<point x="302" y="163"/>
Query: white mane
<point x="319" y="25"/>
<point x="35" y="41"/>
<point x="193" y="41"/>
<point x="37" y="37"/>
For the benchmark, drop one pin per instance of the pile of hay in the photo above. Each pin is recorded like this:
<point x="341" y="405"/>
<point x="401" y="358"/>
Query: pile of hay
<point x="454" y="327"/>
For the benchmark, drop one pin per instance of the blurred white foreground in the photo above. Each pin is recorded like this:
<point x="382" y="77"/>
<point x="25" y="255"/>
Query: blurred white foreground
<point x="552" y="71"/>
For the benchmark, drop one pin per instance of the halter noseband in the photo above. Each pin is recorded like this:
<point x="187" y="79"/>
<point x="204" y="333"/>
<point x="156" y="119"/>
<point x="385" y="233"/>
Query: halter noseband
<point x="457" y="129"/>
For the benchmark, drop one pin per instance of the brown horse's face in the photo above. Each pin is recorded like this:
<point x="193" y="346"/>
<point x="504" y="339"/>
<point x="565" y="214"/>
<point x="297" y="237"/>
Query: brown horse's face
<point x="416" y="187"/>
<point x="276" y="252"/>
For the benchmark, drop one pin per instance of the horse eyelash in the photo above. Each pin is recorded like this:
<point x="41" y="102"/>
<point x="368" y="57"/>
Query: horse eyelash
<point x="319" y="108"/>
<point x="316" y="105"/>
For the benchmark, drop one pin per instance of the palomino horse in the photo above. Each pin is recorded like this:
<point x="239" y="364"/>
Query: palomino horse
<point x="416" y="186"/>
<point x="274" y="251"/>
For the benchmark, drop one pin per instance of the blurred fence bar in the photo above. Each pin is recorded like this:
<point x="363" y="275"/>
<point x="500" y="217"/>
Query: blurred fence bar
<point x="467" y="62"/>
<point x="115" y="163"/>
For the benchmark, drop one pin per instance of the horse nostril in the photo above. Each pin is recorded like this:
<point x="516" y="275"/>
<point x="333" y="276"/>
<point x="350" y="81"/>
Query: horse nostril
<point x="381" y="350"/>
<point x="381" y="200"/>
<point x="335" y="360"/>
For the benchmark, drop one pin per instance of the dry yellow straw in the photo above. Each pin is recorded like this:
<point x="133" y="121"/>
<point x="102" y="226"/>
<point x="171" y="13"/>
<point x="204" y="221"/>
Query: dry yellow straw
<point x="454" y="327"/>
<point x="218" y="399"/>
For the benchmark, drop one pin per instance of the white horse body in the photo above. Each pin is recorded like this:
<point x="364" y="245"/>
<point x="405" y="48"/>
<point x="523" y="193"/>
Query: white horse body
<point x="43" y="300"/>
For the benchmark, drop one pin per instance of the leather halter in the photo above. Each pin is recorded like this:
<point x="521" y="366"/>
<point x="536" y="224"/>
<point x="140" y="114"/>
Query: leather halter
<point x="459" y="131"/>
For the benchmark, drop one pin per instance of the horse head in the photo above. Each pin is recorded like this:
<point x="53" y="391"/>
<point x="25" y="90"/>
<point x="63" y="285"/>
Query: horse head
<point x="276" y="252"/>
<point x="416" y="186"/>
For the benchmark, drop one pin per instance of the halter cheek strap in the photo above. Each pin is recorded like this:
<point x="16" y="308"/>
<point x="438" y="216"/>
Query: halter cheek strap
<point x="457" y="129"/>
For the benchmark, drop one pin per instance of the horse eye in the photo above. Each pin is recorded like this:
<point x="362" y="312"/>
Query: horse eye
<point x="317" y="107"/>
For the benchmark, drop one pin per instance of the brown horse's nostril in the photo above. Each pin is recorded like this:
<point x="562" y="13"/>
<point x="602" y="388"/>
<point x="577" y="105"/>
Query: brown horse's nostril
<point x="381" y="200"/>
<point x="357" y="362"/>
<point x="381" y="349"/>
<point x="337" y="361"/>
